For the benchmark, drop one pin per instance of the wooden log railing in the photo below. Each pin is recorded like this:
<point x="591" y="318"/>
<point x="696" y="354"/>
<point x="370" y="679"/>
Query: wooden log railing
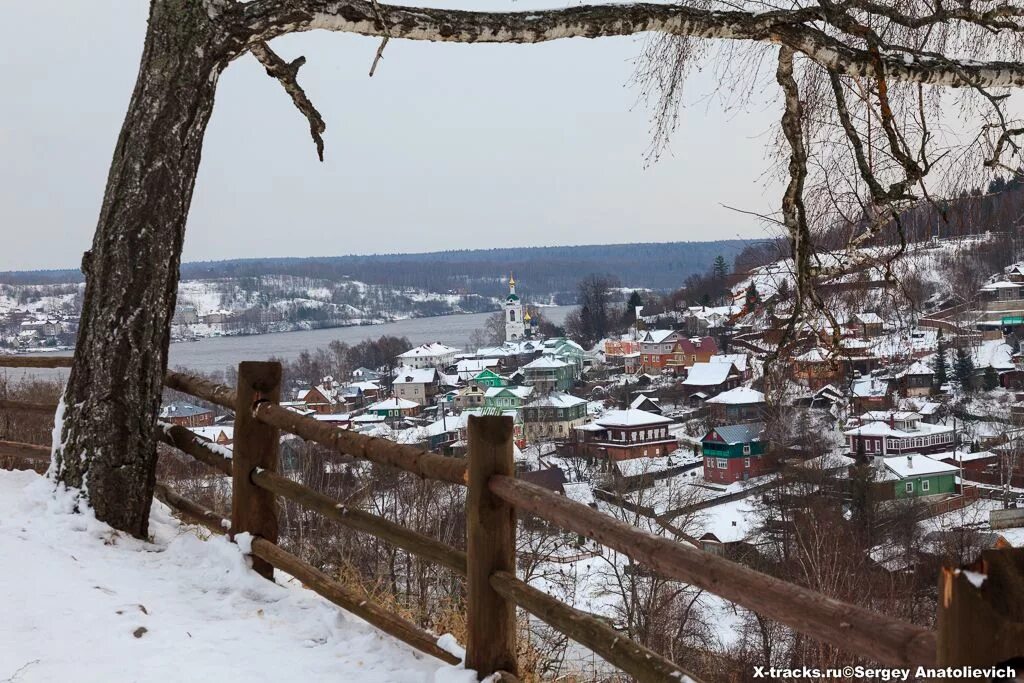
<point x="494" y="496"/>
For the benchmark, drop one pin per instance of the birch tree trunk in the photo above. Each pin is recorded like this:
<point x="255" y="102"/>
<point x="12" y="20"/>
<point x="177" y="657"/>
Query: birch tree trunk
<point x="108" y="423"/>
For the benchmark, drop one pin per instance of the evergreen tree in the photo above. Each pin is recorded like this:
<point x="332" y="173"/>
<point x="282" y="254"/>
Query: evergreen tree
<point x="963" y="369"/>
<point x="629" y="314"/>
<point x="991" y="379"/>
<point x="753" y="297"/>
<point x="720" y="268"/>
<point x="939" y="364"/>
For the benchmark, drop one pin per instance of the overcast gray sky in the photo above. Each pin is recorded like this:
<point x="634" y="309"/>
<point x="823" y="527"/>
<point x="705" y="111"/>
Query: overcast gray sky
<point x="446" y="147"/>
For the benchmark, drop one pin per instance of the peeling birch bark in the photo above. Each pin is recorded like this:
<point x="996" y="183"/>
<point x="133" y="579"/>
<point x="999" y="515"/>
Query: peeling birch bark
<point x="109" y="433"/>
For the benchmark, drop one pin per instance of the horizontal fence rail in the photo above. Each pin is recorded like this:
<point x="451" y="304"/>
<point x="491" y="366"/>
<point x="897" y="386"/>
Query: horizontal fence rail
<point x="406" y="539"/>
<point x="48" y="362"/>
<point x="313" y="579"/>
<point x="847" y="627"/>
<point x="409" y="458"/>
<point x="494" y="497"/>
<point x="28" y="407"/>
<point x="635" y="659"/>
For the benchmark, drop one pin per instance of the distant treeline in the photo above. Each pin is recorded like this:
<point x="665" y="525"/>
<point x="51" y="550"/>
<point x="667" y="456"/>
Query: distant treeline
<point x="543" y="271"/>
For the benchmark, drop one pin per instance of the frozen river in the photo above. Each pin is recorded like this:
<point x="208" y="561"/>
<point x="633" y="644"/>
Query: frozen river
<point x="216" y="353"/>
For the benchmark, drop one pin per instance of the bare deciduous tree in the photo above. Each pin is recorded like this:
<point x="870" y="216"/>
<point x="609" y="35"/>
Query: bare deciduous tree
<point x="879" y="62"/>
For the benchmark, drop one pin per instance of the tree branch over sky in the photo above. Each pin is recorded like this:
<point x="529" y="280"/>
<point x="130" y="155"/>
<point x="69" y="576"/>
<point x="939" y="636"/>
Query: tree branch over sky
<point x="861" y="137"/>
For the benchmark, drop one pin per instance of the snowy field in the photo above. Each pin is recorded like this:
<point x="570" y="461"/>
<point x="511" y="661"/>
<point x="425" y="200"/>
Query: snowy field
<point x="81" y="602"/>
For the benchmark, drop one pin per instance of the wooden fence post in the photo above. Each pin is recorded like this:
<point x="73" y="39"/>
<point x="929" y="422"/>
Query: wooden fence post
<point x="255" y="446"/>
<point x="981" y="611"/>
<point x="490" y="547"/>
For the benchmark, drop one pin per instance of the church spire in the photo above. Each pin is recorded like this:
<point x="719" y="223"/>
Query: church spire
<point x="511" y="283"/>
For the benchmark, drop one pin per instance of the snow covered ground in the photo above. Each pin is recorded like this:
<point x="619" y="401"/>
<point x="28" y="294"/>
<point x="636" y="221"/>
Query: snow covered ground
<point x="82" y="602"/>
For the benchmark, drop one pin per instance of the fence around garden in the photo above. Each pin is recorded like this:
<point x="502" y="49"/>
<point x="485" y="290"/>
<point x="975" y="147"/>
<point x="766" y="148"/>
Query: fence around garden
<point x="967" y="633"/>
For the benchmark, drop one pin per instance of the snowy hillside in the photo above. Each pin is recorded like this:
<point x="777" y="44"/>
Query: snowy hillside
<point x="926" y="264"/>
<point x="84" y="603"/>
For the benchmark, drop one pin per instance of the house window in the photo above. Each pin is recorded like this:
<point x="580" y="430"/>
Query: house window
<point x="925" y="485"/>
<point x="746" y="462"/>
<point x="746" y="449"/>
<point x="878" y="445"/>
<point x="870" y="446"/>
<point x="645" y="452"/>
<point x="723" y="464"/>
<point x="909" y="488"/>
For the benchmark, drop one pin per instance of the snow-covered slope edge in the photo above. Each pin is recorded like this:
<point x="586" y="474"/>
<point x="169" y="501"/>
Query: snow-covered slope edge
<point x="81" y="602"/>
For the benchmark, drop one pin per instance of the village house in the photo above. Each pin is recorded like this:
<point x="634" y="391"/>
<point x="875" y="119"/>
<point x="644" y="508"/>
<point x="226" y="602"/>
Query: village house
<point x="506" y="398"/>
<point x="553" y="416"/>
<point x="470" y="396"/>
<point x="656" y="350"/>
<point x="417" y="385"/>
<point x="430" y="355"/>
<point x="917" y="476"/>
<point x="392" y="408"/>
<point x="688" y="351"/>
<point x="185" y="314"/>
<point x="487" y="379"/>
<point x="741" y="404"/>
<point x="547" y="374"/>
<point x="865" y="325"/>
<point x="631" y="363"/>
<point x="704" y="380"/>
<point x="872" y="393"/>
<point x="734" y="453"/>
<point x="916" y="380"/>
<point x="625" y="434"/>
<point x="741" y="361"/>
<point x="186" y="415"/>
<point x="468" y="368"/>
<point x="882" y="434"/>
<point x="816" y="369"/>
<point x="220" y="435"/>
<point x="626" y="344"/>
<point x="647" y="403"/>
<point x="363" y="374"/>
<point x="319" y="399"/>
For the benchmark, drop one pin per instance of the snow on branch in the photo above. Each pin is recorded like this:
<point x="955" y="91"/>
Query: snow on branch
<point x="797" y="29"/>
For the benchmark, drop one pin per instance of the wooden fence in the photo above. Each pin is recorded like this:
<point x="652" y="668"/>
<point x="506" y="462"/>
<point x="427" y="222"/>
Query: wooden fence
<point x="494" y="496"/>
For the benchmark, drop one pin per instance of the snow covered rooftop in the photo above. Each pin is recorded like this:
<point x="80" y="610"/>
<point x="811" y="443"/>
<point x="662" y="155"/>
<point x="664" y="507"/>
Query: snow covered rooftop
<point x="556" y="399"/>
<point x="961" y="456"/>
<point x="738" y="396"/>
<point x="86" y="603"/>
<point x="707" y="374"/>
<point x="393" y="404"/>
<point x="429" y="350"/>
<point x="737" y="359"/>
<point x="416" y="376"/>
<point x="658" y="336"/>
<point x="916" y="466"/>
<point x="870" y="387"/>
<point x="881" y="428"/>
<point x="520" y="392"/>
<point x="630" y="418"/>
<point x="545" y="362"/>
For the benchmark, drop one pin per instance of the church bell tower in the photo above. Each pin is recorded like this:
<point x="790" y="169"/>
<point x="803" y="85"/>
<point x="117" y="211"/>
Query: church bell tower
<point x="515" y="326"/>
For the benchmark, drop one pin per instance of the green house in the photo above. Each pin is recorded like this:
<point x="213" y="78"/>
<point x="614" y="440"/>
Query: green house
<point x="914" y="476"/>
<point x="506" y="398"/>
<point x="547" y="373"/>
<point x="733" y="453"/>
<point x="488" y="378"/>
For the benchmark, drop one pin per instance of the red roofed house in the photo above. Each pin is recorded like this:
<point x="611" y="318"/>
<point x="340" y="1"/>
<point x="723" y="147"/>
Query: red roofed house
<point x="625" y="434"/>
<point x="688" y="351"/>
